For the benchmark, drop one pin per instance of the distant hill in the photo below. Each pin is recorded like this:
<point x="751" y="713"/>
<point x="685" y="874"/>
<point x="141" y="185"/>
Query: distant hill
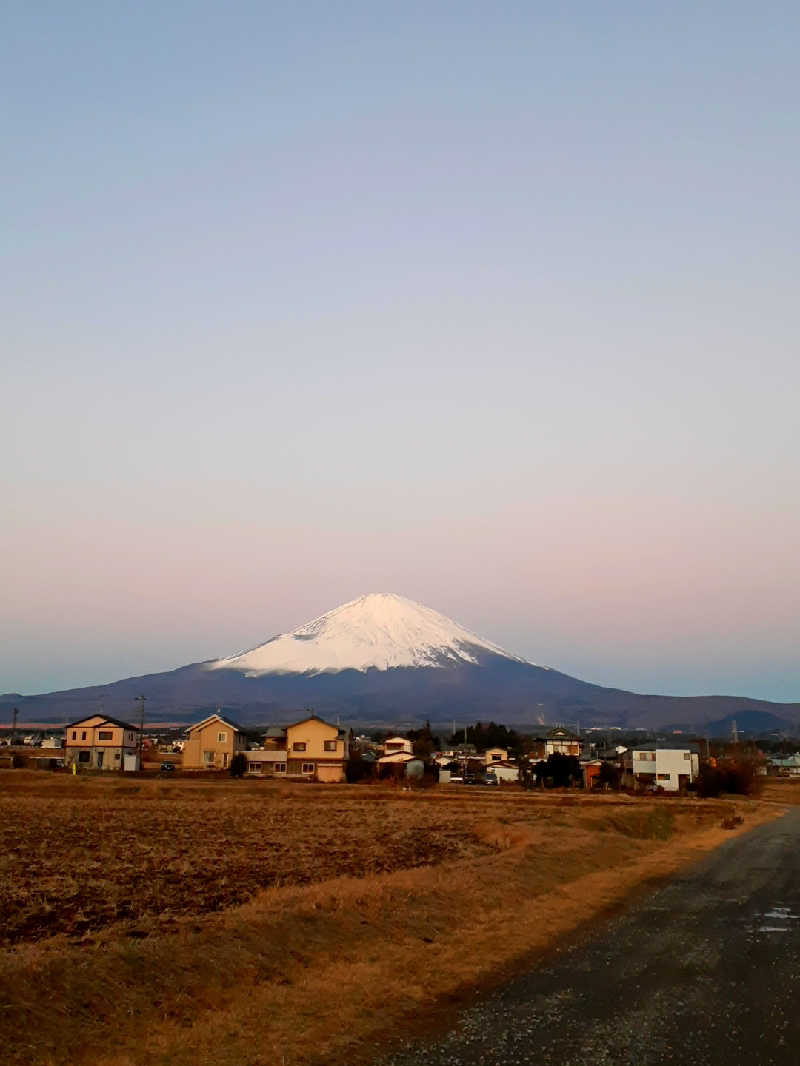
<point x="384" y="659"/>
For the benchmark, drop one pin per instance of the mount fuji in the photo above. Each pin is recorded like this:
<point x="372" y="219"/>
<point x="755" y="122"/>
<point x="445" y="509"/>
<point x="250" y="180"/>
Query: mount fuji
<point x="384" y="659"/>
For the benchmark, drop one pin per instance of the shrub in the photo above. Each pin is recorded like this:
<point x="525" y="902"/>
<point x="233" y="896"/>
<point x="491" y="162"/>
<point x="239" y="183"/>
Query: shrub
<point x="238" y="765"/>
<point x="737" y="777"/>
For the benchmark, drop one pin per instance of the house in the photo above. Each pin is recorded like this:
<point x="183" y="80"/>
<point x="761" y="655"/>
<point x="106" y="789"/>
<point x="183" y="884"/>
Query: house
<point x="495" y="755"/>
<point x="316" y="750"/>
<point x="562" y="741"/>
<point x="660" y="766"/>
<point x="394" y="744"/>
<point x="99" y="742"/>
<point x="275" y="737"/>
<point x="785" y="766"/>
<point x="504" y="771"/>
<point x="212" y="743"/>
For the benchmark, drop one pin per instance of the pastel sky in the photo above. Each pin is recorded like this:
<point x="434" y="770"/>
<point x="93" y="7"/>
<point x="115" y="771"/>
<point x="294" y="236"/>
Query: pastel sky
<point x="493" y="305"/>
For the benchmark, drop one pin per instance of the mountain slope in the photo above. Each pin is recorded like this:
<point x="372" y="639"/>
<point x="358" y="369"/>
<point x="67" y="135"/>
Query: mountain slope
<point x="384" y="659"/>
<point x="380" y="631"/>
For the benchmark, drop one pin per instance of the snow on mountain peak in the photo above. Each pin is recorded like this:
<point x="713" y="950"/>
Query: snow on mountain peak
<point x="380" y="631"/>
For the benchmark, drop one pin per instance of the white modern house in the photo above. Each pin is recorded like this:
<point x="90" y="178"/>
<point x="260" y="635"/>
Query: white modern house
<point x="662" y="767"/>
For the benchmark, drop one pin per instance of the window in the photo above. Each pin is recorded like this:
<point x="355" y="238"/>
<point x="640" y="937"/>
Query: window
<point x="299" y="745"/>
<point x="280" y="767"/>
<point x="208" y="756"/>
<point x="330" y="745"/>
<point x="74" y="734"/>
<point x="645" y="756"/>
<point x="222" y="738"/>
<point x="254" y="767"/>
<point x="105" y="734"/>
<point x="308" y="768"/>
<point x="687" y="755"/>
<point x="83" y="735"/>
<point x="116" y="755"/>
<point x="83" y="756"/>
<point x="664" y="777"/>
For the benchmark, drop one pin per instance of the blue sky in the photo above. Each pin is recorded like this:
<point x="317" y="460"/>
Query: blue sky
<point x="493" y="306"/>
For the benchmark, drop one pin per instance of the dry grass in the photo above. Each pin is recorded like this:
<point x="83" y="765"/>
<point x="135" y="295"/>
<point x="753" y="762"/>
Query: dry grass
<point x="307" y="972"/>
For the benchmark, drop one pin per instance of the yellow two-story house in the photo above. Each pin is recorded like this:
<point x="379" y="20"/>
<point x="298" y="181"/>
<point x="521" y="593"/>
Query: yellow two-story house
<point x="99" y="743"/>
<point x="316" y="749"/>
<point x="212" y="744"/>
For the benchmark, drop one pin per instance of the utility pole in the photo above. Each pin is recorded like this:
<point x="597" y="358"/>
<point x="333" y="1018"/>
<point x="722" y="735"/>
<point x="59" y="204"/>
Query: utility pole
<point x="734" y="732"/>
<point x="14" y="716"/>
<point x="140" y="700"/>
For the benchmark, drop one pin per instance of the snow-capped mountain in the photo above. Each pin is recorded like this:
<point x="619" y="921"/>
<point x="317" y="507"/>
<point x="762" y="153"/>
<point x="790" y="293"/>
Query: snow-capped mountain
<point x="380" y="631"/>
<point x="386" y="660"/>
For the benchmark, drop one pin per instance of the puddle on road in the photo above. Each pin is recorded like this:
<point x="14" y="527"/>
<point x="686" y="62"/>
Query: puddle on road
<point x="764" y="922"/>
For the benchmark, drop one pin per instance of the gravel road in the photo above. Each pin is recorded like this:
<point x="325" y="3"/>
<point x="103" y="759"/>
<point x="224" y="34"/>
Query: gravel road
<point x="704" y="971"/>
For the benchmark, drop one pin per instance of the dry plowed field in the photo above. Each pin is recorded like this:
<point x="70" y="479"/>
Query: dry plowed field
<point x="79" y="855"/>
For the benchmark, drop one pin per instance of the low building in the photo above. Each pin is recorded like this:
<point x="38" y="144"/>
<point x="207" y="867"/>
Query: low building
<point x="504" y="771"/>
<point x="212" y="743"/>
<point x="267" y="762"/>
<point x="492" y="755"/>
<point x="660" y="766"/>
<point x="785" y="766"/>
<point x="316" y="750"/>
<point x="99" y="742"/>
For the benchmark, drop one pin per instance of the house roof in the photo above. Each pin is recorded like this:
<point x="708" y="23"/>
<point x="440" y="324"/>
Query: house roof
<point x="107" y="720"/>
<point x="396" y="756"/>
<point x="667" y="745"/>
<point x="559" y="733"/>
<point x="315" y="718"/>
<point x="225" y="721"/>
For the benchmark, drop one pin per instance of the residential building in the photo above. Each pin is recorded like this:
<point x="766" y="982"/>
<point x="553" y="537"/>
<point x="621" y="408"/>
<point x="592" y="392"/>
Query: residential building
<point x="398" y="744"/>
<point x="562" y="741"/>
<point x="785" y="766"/>
<point x="495" y="755"/>
<point x="504" y="771"/>
<point x="316" y="750"/>
<point x="212" y="743"/>
<point x="661" y="766"/>
<point x="99" y="742"/>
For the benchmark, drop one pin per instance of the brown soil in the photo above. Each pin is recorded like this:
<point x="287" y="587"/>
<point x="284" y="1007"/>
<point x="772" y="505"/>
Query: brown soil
<point x="382" y="905"/>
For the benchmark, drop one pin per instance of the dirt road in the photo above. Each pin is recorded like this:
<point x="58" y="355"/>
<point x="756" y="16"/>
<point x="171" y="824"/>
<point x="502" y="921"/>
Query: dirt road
<point x="706" y="971"/>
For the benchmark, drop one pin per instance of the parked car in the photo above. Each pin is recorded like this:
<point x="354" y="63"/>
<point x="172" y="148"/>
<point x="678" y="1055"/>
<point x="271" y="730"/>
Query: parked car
<point x="167" y="767"/>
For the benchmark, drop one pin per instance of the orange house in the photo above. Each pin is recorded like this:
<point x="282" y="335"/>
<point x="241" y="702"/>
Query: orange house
<point x="212" y="744"/>
<point x="99" y="743"/>
<point x="316" y="750"/>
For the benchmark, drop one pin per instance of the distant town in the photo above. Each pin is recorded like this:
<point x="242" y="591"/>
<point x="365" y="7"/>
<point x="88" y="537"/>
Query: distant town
<point x="312" y="750"/>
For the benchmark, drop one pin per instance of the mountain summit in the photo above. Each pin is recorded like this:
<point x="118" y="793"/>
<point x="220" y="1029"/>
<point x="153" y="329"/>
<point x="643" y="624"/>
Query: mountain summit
<point x="380" y="631"/>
